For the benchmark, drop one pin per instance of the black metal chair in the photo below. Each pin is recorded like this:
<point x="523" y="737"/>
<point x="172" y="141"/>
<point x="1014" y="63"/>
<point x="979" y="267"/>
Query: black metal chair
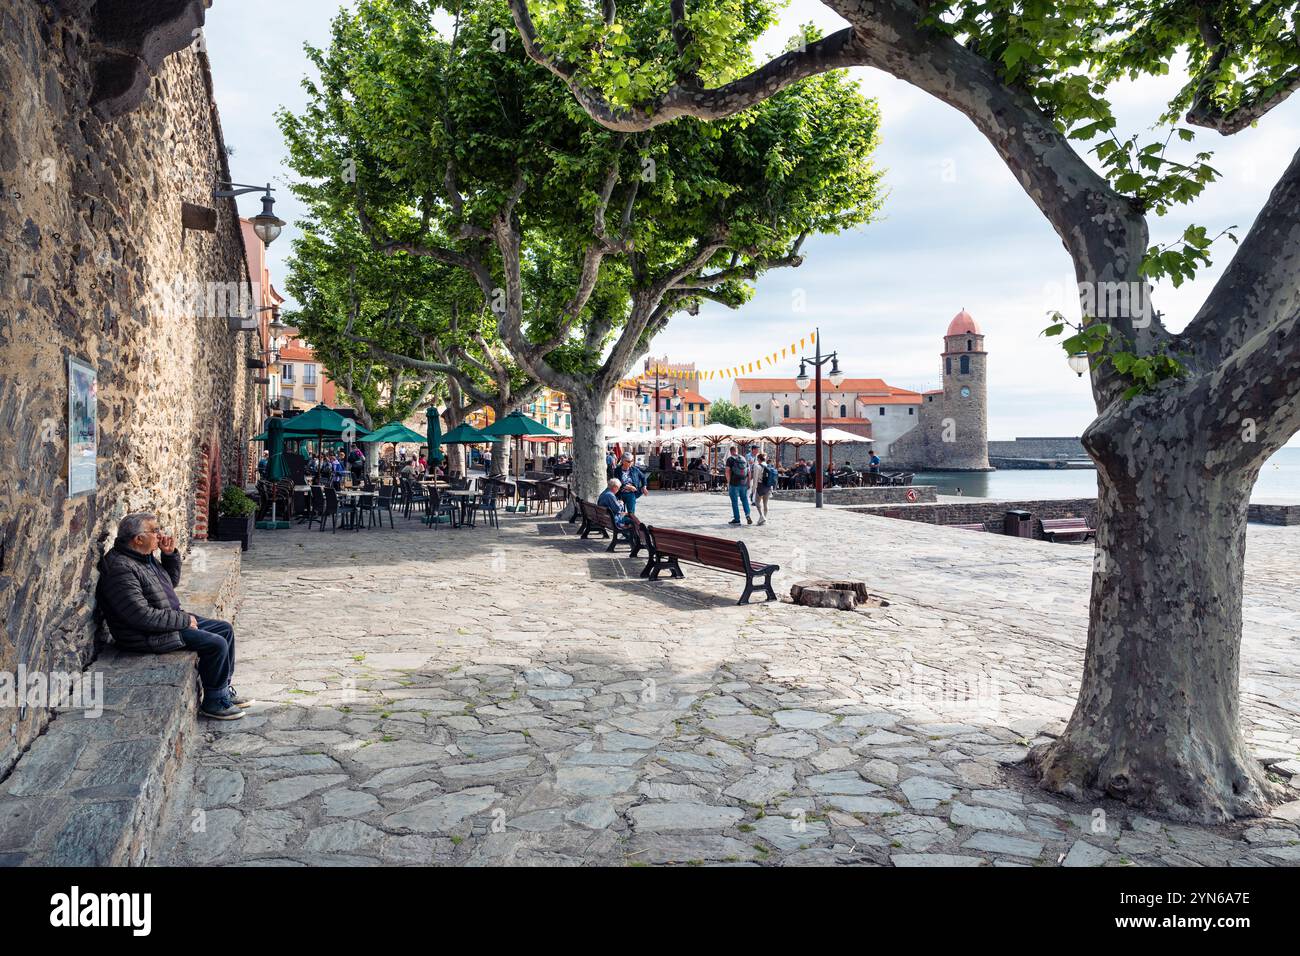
<point x="317" y="512"/>
<point x="384" y="504"/>
<point x="331" y="509"/>
<point x="364" y="504"/>
<point x="488" y="505"/>
<point x="438" y="505"/>
<point x="412" y="494"/>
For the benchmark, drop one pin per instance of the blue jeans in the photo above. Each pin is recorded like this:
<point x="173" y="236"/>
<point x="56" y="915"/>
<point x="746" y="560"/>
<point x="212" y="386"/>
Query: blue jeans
<point x="629" y="501"/>
<point x="214" y="642"/>
<point x="739" y="496"/>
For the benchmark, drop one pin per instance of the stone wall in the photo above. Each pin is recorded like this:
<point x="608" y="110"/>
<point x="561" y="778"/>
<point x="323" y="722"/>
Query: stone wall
<point x="875" y="495"/>
<point x="91" y="251"/>
<point x="1038" y="448"/>
<point x="1274" y="513"/>
<point x="984" y="509"/>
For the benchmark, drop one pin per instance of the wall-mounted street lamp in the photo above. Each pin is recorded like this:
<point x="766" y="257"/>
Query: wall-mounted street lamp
<point x="1079" y="363"/>
<point x="266" y="224"/>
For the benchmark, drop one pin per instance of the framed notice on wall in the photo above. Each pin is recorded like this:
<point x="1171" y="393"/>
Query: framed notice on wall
<point x="83" y="428"/>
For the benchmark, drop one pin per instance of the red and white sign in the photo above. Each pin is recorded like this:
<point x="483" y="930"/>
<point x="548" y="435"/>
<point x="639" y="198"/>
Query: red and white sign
<point x="911" y="495"/>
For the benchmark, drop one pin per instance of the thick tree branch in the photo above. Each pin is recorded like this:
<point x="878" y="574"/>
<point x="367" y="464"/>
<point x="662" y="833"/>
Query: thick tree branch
<point x="1260" y="286"/>
<point x="1207" y="113"/>
<point x="686" y="98"/>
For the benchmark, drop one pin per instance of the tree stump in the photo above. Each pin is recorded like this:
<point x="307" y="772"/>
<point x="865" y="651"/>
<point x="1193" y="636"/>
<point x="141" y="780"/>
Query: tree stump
<point x="841" y="595"/>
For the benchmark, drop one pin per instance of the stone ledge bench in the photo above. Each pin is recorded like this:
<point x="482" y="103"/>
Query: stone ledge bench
<point x="90" y="791"/>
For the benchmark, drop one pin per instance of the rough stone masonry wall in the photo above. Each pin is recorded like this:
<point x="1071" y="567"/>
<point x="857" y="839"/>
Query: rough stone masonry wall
<point x="983" y="509"/>
<point x="90" y="242"/>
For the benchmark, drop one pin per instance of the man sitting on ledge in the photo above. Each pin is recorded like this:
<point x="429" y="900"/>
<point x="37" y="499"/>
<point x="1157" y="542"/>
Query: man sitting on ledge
<point x="137" y="593"/>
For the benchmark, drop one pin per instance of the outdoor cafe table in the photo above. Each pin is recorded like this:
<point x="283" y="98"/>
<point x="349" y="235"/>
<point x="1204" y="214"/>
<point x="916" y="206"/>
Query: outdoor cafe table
<point x="466" y="500"/>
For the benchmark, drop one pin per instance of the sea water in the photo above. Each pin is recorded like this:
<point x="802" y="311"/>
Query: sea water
<point x="1278" y="479"/>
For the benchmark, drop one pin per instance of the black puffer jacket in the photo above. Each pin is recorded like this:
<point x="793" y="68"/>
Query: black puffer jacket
<point x="135" y="603"/>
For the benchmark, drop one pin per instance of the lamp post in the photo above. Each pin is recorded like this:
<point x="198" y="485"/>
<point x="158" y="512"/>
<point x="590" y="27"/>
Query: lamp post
<point x="836" y="377"/>
<point x="676" y="400"/>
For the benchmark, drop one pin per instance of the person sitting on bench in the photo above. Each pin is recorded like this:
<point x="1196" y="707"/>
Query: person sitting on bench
<point x="609" y="499"/>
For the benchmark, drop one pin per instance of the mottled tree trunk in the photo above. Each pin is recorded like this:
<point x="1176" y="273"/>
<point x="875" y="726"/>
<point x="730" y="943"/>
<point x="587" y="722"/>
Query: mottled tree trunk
<point x="500" y="458"/>
<point x="588" y="448"/>
<point x="1157" y="721"/>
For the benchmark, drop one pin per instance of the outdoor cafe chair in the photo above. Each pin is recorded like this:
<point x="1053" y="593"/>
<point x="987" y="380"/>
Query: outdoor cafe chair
<point x="488" y="505"/>
<point x="384" y="504"/>
<point x="438" y="505"/>
<point x="364" y="504"/>
<point x="317" y="512"/>
<point x="331" y="508"/>
<point x="413" y="495"/>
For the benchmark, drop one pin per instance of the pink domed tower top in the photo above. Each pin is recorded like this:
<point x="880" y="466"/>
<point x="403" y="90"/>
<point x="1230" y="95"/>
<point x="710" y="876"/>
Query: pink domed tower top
<point x="963" y="324"/>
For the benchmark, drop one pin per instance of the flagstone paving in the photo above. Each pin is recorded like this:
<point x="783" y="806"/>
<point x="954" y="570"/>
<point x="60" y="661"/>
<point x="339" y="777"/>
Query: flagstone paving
<point x="518" y="696"/>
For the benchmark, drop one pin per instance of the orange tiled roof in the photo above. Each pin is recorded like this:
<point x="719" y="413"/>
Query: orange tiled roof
<point x="869" y="386"/>
<point x="826" y="420"/>
<point x="899" y="398"/>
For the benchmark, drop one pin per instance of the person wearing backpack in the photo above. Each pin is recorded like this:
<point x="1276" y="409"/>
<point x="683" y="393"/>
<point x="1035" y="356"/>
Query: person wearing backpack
<point x="764" y="483"/>
<point x="738" y="485"/>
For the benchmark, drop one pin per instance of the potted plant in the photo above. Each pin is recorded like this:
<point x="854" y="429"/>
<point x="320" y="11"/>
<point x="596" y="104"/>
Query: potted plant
<point x="235" y="513"/>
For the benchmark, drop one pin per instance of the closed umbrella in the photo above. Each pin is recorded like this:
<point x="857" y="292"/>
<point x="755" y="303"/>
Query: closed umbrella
<point x="434" y="432"/>
<point x="275" y="469"/>
<point x="517" y="424"/>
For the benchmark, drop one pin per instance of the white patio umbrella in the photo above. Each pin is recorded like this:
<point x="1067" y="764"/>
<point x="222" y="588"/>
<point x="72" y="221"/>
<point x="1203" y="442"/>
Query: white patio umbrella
<point x="782" y="435"/>
<point x="838" y="436"/>
<point x="715" y="434"/>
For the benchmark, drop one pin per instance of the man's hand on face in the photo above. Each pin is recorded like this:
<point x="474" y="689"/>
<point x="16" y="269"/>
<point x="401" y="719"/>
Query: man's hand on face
<point x="166" y="543"/>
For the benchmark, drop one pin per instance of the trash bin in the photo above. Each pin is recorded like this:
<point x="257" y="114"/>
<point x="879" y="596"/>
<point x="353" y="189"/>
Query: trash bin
<point x="1018" y="524"/>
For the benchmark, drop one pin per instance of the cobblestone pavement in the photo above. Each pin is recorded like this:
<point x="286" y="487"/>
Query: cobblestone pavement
<point x="482" y="696"/>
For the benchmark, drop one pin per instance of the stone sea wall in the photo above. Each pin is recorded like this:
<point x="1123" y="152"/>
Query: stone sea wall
<point x="984" y="509"/>
<point x="94" y="168"/>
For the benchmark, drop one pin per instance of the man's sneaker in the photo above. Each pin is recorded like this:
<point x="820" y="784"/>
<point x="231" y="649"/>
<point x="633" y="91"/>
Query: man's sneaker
<point x="762" y="520"/>
<point x="748" y="520"/>
<point x="236" y="699"/>
<point x="219" y="707"/>
<point x="734" y="521"/>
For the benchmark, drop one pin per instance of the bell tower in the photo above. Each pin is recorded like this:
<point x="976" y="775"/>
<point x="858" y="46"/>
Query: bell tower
<point x="965" y="394"/>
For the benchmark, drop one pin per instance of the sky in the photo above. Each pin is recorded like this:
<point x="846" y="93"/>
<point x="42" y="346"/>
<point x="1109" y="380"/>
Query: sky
<point x="956" y="230"/>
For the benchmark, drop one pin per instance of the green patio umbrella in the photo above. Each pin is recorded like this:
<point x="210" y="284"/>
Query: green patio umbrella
<point x="275" y="468"/>
<point x="464" y="434"/>
<point x="323" y="422"/>
<point x="516" y="425"/>
<point x="434" y="429"/>
<point x="394" y="432"/>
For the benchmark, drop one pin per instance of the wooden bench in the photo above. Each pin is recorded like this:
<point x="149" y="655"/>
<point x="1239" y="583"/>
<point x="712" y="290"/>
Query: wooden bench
<point x="668" y="548"/>
<point x="598" y="518"/>
<point x="1054" y="528"/>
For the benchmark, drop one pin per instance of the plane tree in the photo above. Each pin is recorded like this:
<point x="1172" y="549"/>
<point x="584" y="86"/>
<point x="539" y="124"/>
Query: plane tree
<point x="1189" y="407"/>
<point x="400" y="335"/>
<point x="432" y="131"/>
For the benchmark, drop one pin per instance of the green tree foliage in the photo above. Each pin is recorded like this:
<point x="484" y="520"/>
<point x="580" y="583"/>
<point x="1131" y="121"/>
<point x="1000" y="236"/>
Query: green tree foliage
<point x="725" y="413"/>
<point x="449" y="145"/>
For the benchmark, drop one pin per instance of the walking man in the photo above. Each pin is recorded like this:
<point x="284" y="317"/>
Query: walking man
<point x="751" y="459"/>
<point x="763" y="486"/>
<point x="738" y="485"/>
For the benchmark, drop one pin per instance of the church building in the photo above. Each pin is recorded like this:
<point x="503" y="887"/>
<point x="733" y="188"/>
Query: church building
<point x="941" y="430"/>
